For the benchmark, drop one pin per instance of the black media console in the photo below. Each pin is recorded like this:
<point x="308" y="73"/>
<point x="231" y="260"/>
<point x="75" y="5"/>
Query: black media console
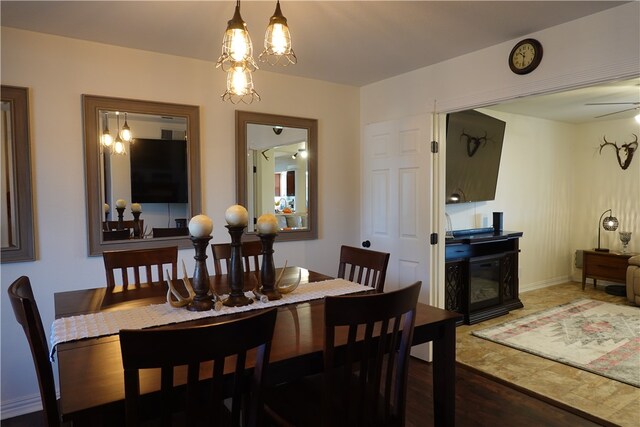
<point x="481" y="274"/>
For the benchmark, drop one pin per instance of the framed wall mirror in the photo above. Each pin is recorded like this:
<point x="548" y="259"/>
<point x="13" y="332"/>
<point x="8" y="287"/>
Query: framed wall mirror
<point x="143" y="172"/>
<point x="16" y="220"/>
<point x="276" y="172"/>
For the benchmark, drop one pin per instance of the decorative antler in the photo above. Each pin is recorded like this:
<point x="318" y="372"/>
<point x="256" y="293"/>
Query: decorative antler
<point x="628" y="149"/>
<point x="474" y="142"/>
<point x="181" y="301"/>
<point x="285" y="289"/>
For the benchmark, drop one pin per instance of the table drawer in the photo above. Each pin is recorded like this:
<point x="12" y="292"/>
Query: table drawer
<point x="606" y="267"/>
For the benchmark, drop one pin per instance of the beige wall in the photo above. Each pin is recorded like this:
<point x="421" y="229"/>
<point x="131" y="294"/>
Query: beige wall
<point x="59" y="70"/>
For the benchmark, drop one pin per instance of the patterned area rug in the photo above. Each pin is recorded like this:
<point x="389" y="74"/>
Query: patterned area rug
<point x="596" y="336"/>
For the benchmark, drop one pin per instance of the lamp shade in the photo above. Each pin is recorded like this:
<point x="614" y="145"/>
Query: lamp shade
<point x="610" y="223"/>
<point x="277" y="41"/>
<point x="236" y="44"/>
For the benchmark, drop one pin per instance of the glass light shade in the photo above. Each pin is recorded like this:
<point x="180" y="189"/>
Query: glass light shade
<point x="610" y="223"/>
<point x="277" y="41"/>
<point x="119" y="147"/>
<point x="240" y="85"/>
<point x="126" y="131"/>
<point x="236" y="44"/>
<point x="106" y="139"/>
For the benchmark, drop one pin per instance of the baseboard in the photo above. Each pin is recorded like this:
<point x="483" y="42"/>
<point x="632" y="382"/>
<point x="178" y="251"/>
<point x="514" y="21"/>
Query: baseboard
<point x="20" y="406"/>
<point x="545" y="283"/>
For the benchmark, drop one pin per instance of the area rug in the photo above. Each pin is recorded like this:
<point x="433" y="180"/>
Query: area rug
<point x="596" y="336"/>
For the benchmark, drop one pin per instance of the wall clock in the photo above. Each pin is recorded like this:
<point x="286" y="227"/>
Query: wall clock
<point x="525" y="56"/>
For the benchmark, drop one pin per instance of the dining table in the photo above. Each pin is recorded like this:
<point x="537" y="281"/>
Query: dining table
<point x="91" y="375"/>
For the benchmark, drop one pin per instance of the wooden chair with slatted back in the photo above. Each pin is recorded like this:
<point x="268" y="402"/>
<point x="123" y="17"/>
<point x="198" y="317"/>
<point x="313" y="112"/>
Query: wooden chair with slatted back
<point x="27" y="314"/>
<point x="138" y="260"/>
<point x="250" y="256"/>
<point x="167" y="349"/>
<point x="127" y="223"/>
<point x="363" y="266"/>
<point x="365" y="376"/>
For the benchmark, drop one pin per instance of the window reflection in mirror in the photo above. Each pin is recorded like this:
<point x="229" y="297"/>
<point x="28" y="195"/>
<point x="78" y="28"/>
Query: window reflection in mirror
<point x="278" y="175"/>
<point x="16" y="223"/>
<point x="154" y="175"/>
<point x="276" y="171"/>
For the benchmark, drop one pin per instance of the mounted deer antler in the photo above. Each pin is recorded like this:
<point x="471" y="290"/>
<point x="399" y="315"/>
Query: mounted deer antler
<point x="474" y="142"/>
<point x="628" y="149"/>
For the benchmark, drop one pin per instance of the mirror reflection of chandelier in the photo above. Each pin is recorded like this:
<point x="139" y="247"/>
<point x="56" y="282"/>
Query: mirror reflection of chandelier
<point x="123" y="136"/>
<point x="237" y="54"/>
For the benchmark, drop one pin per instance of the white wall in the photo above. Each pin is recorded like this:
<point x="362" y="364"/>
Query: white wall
<point x="58" y="71"/>
<point x="597" y="48"/>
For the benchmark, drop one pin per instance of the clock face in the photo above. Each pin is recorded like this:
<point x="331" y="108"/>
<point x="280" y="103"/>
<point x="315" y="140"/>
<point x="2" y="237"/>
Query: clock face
<point x="525" y="56"/>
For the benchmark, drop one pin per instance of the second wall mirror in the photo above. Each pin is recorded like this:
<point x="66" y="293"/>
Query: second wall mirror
<point x="276" y="172"/>
<point x="143" y="172"/>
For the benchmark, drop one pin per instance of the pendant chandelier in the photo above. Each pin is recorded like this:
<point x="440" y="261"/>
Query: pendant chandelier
<point x="237" y="54"/>
<point x="117" y="145"/>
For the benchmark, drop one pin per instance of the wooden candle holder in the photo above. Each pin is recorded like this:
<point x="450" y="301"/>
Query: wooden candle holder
<point x="120" y="225"/>
<point x="137" y="232"/>
<point x="268" y="269"/>
<point x="237" y="297"/>
<point x="200" y="282"/>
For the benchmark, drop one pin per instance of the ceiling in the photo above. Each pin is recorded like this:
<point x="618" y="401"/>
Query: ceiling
<point x="346" y="42"/>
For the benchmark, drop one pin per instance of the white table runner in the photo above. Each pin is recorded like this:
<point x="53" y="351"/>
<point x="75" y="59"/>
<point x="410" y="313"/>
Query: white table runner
<point x="109" y="323"/>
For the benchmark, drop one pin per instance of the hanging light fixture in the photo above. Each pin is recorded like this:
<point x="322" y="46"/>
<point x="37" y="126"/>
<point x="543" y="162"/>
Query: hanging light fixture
<point x="237" y="61"/>
<point x="105" y="138"/>
<point x="240" y="86"/>
<point x="126" y="131"/>
<point x="118" y="145"/>
<point x="277" y="41"/>
<point x="236" y="44"/>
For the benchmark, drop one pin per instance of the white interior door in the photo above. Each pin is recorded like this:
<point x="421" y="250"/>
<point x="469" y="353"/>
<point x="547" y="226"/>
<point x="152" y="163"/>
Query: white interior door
<point x="396" y="217"/>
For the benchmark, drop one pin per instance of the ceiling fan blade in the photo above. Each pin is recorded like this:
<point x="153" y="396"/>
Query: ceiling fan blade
<point x="613" y="103"/>
<point x="616" y="112"/>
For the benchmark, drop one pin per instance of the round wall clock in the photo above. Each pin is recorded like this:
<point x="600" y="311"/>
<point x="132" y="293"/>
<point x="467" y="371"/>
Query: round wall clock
<point x="525" y="56"/>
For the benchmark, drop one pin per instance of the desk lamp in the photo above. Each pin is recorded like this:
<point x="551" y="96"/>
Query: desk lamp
<point x="609" y="223"/>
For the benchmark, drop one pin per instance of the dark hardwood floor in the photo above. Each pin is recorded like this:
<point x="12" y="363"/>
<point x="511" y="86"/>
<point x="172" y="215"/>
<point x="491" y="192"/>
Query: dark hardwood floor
<point x="480" y="401"/>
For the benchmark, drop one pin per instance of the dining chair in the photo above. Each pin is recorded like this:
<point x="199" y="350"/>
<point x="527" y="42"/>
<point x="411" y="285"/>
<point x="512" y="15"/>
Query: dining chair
<point x="147" y="260"/>
<point x="250" y="252"/>
<point x="364" y="382"/>
<point x="194" y="347"/>
<point x="170" y="232"/>
<point x="363" y="266"/>
<point x="28" y="316"/>
<point x="128" y="223"/>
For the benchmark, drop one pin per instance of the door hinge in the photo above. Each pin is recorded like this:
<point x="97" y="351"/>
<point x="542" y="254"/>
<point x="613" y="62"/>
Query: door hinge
<point x="255" y="169"/>
<point x="433" y="239"/>
<point x="434" y="146"/>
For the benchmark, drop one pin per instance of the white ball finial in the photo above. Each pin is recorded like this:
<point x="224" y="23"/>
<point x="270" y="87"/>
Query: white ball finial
<point x="267" y="224"/>
<point x="200" y="226"/>
<point x="106" y="208"/>
<point x="236" y="215"/>
<point x="136" y="207"/>
<point x="121" y="203"/>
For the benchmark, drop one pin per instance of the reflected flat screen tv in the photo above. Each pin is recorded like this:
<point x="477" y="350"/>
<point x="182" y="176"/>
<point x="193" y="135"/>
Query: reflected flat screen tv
<point x="159" y="171"/>
<point x="474" y="147"/>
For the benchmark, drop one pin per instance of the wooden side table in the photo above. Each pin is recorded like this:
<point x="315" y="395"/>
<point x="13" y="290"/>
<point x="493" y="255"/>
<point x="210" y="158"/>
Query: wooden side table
<point x="610" y="266"/>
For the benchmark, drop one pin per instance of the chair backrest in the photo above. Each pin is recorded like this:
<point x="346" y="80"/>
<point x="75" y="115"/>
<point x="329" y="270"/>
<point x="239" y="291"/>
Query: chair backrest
<point x="363" y="266"/>
<point x="170" y="348"/>
<point x="170" y="232"/>
<point x="116" y="234"/>
<point x="140" y="260"/>
<point x="128" y="223"/>
<point x="366" y="378"/>
<point x="250" y="256"/>
<point x="27" y="314"/>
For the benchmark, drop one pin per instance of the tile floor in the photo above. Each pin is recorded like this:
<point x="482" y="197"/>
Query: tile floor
<point x="607" y="399"/>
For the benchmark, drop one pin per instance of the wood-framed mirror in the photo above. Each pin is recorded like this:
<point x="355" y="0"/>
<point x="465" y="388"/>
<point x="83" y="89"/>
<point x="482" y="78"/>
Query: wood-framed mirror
<point x="18" y="241"/>
<point x="155" y="173"/>
<point x="276" y="172"/>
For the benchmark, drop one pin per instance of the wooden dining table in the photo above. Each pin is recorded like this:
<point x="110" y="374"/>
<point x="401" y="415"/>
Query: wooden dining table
<point x="90" y="370"/>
